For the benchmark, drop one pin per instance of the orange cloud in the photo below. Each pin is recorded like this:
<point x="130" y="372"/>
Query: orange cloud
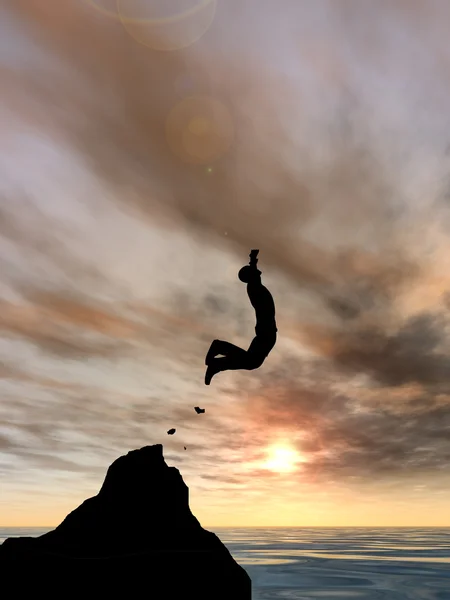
<point x="60" y="337"/>
<point x="61" y="307"/>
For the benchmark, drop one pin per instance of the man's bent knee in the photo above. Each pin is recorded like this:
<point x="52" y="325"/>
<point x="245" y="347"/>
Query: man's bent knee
<point x="254" y="362"/>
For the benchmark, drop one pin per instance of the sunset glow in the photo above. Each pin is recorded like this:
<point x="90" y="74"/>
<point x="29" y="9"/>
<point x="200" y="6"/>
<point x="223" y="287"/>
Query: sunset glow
<point x="282" y="459"/>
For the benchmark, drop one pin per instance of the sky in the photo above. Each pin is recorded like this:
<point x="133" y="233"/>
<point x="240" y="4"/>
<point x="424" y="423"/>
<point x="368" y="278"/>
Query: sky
<point x="146" y="147"/>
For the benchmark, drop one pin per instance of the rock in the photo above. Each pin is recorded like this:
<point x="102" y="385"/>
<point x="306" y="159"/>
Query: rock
<point x="199" y="410"/>
<point x="137" y="538"/>
<point x="171" y="431"/>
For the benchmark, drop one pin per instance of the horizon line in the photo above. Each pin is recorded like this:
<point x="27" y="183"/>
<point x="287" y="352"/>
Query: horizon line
<point x="269" y="526"/>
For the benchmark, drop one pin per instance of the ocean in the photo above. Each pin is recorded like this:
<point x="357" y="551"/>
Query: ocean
<point x="335" y="563"/>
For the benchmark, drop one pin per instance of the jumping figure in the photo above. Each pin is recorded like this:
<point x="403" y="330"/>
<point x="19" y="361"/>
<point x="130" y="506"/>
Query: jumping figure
<point x="233" y="357"/>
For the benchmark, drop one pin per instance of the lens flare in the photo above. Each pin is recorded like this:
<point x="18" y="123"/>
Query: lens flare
<point x="108" y="8"/>
<point x="162" y="25"/>
<point x="166" y="33"/>
<point x="141" y="12"/>
<point x="199" y="130"/>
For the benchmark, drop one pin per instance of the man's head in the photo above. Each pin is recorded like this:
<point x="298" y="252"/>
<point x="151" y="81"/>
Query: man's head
<point x="248" y="274"/>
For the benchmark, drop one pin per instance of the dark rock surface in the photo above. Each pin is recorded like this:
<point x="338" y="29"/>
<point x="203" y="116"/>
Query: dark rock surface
<point x="137" y="538"/>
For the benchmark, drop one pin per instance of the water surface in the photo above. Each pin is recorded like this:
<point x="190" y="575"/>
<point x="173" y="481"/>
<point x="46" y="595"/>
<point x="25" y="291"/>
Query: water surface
<point x="332" y="564"/>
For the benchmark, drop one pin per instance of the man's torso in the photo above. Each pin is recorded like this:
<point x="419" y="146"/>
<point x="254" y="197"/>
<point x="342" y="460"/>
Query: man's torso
<point x="262" y="301"/>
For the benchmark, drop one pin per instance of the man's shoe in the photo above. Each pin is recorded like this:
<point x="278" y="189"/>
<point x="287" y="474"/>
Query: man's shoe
<point x="210" y="372"/>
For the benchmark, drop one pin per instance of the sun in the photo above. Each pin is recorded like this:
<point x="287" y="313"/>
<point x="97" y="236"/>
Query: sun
<point x="282" y="459"/>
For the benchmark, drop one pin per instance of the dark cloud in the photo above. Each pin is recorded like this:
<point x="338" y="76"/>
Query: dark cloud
<point x="223" y="479"/>
<point x="415" y="352"/>
<point x="6" y="443"/>
<point x="370" y="282"/>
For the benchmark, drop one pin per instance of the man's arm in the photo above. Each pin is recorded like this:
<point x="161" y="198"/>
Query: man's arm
<point x="255" y="281"/>
<point x="253" y="258"/>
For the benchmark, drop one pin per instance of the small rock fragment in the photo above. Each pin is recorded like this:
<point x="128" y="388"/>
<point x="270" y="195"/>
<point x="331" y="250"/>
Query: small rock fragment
<point x="199" y="410"/>
<point x="171" y="431"/>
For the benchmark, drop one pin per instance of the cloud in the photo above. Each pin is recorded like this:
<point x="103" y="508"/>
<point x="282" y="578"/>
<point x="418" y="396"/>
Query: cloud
<point x="42" y="241"/>
<point x="324" y="176"/>
<point x="263" y="194"/>
<point x="58" y="339"/>
<point x="413" y="352"/>
<point x="345" y="438"/>
<point x="81" y="312"/>
<point x="268" y="194"/>
<point x="6" y="443"/>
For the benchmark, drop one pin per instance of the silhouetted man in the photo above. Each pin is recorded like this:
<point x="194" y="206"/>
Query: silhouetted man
<point x="266" y="329"/>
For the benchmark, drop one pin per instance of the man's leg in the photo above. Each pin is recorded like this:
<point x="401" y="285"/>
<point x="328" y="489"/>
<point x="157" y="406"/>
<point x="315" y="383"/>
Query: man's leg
<point x="236" y="358"/>
<point x="259" y="349"/>
<point x="222" y="347"/>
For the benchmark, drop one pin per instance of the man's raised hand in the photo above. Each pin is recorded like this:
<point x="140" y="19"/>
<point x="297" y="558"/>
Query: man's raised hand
<point x="253" y="258"/>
